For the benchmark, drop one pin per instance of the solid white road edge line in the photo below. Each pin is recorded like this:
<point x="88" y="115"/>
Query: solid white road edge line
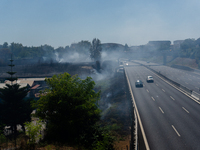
<point x="140" y="122"/>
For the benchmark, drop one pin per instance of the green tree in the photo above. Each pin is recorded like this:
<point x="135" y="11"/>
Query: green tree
<point x="5" y="45"/>
<point x="70" y="108"/>
<point x="15" y="109"/>
<point x="95" y="50"/>
<point x="4" y="54"/>
<point x="81" y="47"/>
<point x="187" y="48"/>
<point x="126" y="48"/>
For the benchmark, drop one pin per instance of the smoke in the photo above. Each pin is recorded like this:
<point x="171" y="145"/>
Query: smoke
<point x="72" y="57"/>
<point x="103" y="114"/>
<point x="57" y="58"/>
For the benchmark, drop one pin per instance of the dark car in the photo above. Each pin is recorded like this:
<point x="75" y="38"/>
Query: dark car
<point x="138" y="83"/>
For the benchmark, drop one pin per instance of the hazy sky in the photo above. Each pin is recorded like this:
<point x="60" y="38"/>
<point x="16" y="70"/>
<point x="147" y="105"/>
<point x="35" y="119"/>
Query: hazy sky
<point x="63" y="22"/>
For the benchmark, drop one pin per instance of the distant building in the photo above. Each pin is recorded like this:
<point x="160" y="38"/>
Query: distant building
<point x="112" y="47"/>
<point x="159" y="45"/>
<point x="35" y="85"/>
<point x="177" y="44"/>
<point x="158" y="42"/>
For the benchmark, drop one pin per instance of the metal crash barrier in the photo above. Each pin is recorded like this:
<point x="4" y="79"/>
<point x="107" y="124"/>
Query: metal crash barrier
<point x="138" y="137"/>
<point x="185" y="89"/>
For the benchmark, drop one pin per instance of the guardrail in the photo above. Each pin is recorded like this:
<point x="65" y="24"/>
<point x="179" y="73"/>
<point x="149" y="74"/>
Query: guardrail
<point x="185" y="89"/>
<point x="136" y="124"/>
<point x="134" y="121"/>
<point x="195" y="95"/>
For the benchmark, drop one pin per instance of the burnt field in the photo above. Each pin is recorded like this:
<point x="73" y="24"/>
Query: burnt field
<point x="47" y="70"/>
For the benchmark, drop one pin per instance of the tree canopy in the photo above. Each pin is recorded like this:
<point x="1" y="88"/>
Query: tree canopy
<point x="95" y="49"/>
<point x="190" y="48"/>
<point x="69" y="106"/>
<point x="14" y="108"/>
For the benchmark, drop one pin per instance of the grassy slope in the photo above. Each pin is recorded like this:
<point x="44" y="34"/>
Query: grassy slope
<point x="115" y="108"/>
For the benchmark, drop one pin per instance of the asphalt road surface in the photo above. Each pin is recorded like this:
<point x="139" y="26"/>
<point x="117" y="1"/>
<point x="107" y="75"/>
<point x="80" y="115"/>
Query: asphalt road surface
<point x="189" y="79"/>
<point x="171" y="120"/>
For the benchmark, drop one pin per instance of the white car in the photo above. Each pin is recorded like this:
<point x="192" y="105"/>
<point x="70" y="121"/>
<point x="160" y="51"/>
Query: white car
<point x="150" y="79"/>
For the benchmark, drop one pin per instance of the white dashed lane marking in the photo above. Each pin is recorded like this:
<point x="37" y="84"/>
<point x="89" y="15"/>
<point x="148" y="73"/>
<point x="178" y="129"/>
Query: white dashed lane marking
<point x="153" y="99"/>
<point x="172" y="98"/>
<point x="161" y="110"/>
<point x="186" y="110"/>
<point x="176" y="130"/>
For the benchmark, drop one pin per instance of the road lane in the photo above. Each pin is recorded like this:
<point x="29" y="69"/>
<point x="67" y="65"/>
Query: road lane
<point x="157" y="123"/>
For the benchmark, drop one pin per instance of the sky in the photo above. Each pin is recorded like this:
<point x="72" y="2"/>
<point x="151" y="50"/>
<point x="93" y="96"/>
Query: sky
<point x="63" y="22"/>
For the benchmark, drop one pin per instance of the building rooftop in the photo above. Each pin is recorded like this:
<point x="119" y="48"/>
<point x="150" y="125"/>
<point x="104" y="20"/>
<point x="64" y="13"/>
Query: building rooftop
<point x="2" y="85"/>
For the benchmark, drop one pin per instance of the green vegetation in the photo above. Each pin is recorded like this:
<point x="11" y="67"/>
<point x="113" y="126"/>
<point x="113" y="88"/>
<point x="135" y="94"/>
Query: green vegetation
<point x="114" y="105"/>
<point x="43" y="53"/>
<point x="70" y="108"/>
<point x="14" y="109"/>
<point x="72" y="115"/>
<point x="190" y="48"/>
<point x="2" y="138"/>
<point x="95" y="50"/>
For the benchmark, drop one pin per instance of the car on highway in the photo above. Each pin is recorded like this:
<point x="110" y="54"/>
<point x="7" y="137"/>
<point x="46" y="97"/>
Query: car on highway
<point x="121" y="70"/>
<point x="138" y="83"/>
<point x="150" y="79"/>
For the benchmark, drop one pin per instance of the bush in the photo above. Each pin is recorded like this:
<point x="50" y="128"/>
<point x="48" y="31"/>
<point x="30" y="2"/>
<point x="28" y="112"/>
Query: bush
<point x="2" y="138"/>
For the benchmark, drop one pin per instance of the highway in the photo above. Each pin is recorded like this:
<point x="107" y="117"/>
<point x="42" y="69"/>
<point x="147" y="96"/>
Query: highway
<point x="190" y="79"/>
<point x="171" y="120"/>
